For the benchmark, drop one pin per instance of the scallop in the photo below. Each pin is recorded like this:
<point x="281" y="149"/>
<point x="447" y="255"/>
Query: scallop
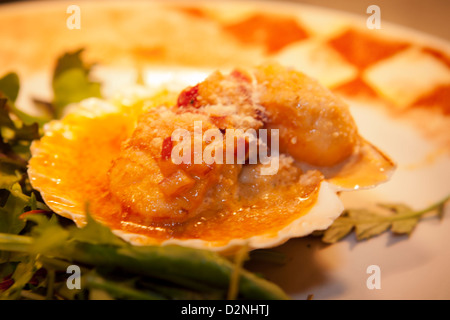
<point x="252" y="157"/>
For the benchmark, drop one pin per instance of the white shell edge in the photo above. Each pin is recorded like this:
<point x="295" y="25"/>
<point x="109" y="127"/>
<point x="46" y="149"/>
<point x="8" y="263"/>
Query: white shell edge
<point x="325" y="210"/>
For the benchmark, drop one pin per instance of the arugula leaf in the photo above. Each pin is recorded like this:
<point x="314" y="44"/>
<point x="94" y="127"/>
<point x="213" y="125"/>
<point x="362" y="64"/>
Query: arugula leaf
<point x="340" y="228"/>
<point x="9" y="90"/>
<point x="402" y="226"/>
<point x="11" y="213"/>
<point x="69" y="60"/>
<point x="16" y="136"/>
<point x="10" y="221"/>
<point x="71" y="82"/>
<point x="15" y="140"/>
<point x="48" y="234"/>
<point x="10" y="85"/>
<point x="21" y="276"/>
<point x="366" y="224"/>
<point x="96" y="233"/>
<point x="9" y="175"/>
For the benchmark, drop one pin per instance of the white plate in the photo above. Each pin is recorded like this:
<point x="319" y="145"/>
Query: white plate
<point x="123" y="36"/>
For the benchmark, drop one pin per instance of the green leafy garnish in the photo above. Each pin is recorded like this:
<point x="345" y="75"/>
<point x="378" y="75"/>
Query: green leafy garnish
<point x="15" y="140"/>
<point x="16" y="194"/>
<point x="200" y="271"/>
<point x="9" y="91"/>
<point x="10" y="86"/>
<point x="398" y="218"/>
<point x="71" y="82"/>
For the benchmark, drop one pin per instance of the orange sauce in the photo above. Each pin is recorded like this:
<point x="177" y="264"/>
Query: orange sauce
<point x="441" y="56"/>
<point x="239" y="221"/>
<point x="438" y="98"/>
<point x="367" y="167"/>
<point x="352" y="45"/>
<point x="274" y="32"/>
<point x="356" y="87"/>
<point x="192" y="11"/>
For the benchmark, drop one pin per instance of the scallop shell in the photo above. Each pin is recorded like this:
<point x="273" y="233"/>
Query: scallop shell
<point x="69" y="165"/>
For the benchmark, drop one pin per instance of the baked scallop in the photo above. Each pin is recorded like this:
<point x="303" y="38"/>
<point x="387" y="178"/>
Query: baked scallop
<point x="252" y="157"/>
